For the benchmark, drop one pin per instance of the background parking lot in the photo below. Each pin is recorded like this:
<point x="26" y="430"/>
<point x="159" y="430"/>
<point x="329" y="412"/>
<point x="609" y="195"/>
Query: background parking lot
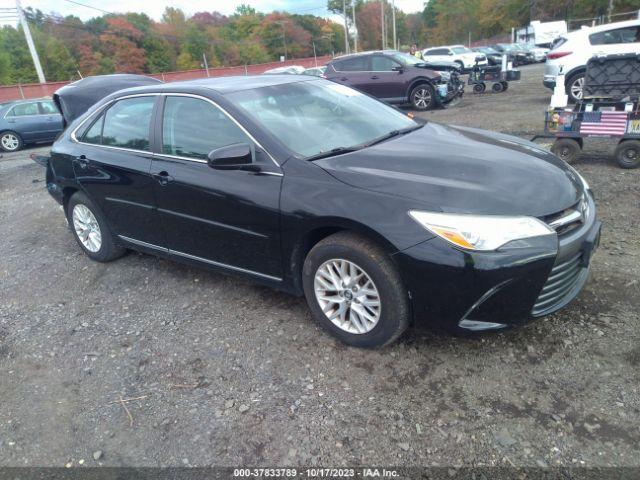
<point x="147" y="362"/>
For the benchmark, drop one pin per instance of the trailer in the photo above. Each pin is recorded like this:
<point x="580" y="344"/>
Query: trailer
<point x="610" y="108"/>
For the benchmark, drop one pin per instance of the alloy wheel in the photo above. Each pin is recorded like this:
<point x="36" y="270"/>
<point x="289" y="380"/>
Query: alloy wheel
<point x="576" y="88"/>
<point x="10" y="142"/>
<point x="347" y="296"/>
<point x="87" y="228"/>
<point x="422" y="98"/>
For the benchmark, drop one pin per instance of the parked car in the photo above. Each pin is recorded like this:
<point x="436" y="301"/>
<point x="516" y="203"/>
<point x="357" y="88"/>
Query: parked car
<point x="315" y="71"/>
<point x="315" y="188"/>
<point x="28" y="121"/>
<point x="539" y="53"/>
<point x="455" y="53"/>
<point x="395" y="77"/>
<point x="529" y="56"/>
<point x="514" y="55"/>
<point x="572" y="51"/>
<point x="493" y="56"/>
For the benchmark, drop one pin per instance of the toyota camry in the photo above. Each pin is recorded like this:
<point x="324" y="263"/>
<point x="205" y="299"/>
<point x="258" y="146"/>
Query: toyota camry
<point x="319" y="190"/>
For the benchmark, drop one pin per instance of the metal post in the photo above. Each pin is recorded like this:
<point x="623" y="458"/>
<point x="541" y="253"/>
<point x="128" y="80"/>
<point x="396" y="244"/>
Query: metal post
<point x="384" y="34"/>
<point x="355" y="27"/>
<point x="32" y="48"/>
<point x="346" y="30"/>
<point x="393" y="16"/>
<point x="315" y="59"/>
<point x="206" y="65"/>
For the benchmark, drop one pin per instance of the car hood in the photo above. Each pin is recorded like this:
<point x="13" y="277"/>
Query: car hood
<point x="462" y="170"/>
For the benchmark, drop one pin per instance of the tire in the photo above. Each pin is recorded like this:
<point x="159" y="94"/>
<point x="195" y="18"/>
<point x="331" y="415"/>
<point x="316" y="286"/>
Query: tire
<point x="566" y="149"/>
<point x="357" y="254"/>
<point x="505" y="86"/>
<point x="628" y="154"/>
<point x="101" y="247"/>
<point x="497" y="87"/>
<point x="10" y="141"/>
<point x="479" y="87"/>
<point x="422" y="97"/>
<point x="573" y="86"/>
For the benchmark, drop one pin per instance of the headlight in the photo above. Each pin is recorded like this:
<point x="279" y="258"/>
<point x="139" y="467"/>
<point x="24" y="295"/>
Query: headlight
<point x="480" y="232"/>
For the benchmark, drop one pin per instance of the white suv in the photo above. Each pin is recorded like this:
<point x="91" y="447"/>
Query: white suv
<point x="572" y="51"/>
<point x="455" y="53"/>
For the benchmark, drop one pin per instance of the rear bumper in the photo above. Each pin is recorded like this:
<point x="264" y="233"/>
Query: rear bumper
<point x="463" y="291"/>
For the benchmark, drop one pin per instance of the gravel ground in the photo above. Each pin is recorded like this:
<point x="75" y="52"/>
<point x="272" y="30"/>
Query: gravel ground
<point x="219" y="371"/>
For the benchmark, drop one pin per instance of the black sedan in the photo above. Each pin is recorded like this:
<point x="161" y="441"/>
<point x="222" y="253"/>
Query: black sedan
<point x="315" y="188"/>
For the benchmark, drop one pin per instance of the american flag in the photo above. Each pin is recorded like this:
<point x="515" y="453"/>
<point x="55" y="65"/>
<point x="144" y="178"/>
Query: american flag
<point x="604" y="123"/>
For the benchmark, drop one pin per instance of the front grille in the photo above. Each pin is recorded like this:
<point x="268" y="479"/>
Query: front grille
<point x="567" y="220"/>
<point x="563" y="278"/>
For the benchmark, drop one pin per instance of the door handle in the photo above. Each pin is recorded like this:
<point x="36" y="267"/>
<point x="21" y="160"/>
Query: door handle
<point x="82" y="161"/>
<point x="163" y="178"/>
<point x="374" y="77"/>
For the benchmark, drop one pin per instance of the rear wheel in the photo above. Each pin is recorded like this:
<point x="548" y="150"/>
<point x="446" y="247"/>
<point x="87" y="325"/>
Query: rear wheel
<point x="354" y="291"/>
<point x="497" y="87"/>
<point x="10" y="141"/>
<point x="90" y="229"/>
<point x="422" y="97"/>
<point x="505" y="86"/>
<point x="628" y="154"/>
<point x="575" y="86"/>
<point x="566" y="149"/>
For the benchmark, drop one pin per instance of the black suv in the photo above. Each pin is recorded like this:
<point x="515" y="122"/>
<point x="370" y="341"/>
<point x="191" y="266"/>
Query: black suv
<point x="398" y="78"/>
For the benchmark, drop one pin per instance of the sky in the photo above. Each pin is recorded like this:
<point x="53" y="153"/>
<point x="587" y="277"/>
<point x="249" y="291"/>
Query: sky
<point x="154" y="8"/>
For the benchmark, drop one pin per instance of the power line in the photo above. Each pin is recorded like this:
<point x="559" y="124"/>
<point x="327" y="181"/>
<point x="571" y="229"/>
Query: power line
<point x="90" y="6"/>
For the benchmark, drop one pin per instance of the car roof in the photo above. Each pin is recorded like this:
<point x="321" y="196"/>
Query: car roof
<point x="602" y="28"/>
<point x="364" y="54"/>
<point x="225" y="85"/>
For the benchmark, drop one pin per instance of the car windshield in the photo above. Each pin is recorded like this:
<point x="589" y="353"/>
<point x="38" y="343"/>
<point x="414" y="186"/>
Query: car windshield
<point x="315" y="117"/>
<point x="487" y="50"/>
<point x="459" y="50"/>
<point x="406" y="59"/>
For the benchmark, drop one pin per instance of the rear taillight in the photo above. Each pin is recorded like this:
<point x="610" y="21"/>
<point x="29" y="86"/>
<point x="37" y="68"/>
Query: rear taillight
<point x="554" y="55"/>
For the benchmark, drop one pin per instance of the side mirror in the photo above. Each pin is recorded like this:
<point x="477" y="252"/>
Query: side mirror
<point x="450" y="53"/>
<point x="398" y="68"/>
<point x="236" y="156"/>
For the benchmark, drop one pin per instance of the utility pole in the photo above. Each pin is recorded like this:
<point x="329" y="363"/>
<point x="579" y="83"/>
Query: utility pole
<point x="384" y="33"/>
<point x="346" y="30"/>
<point x="32" y="47"/>
<point x="355" y="27"/>
<point x="609" y="11"/>
<point x="284" y="37"/>
<point x="393" y="16"/>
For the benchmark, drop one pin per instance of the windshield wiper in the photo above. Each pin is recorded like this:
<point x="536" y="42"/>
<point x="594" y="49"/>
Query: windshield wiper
<point x="332" y="152"/>
<point x="391" y="134"/>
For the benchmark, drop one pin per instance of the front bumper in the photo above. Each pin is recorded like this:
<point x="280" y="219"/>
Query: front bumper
<point x="470" y="291"/>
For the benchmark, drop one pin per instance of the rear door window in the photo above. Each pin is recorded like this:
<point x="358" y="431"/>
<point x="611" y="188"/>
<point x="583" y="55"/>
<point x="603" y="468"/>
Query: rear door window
<point x="126" y="123"/>
<point x="48" y="108"/>
<point x="356" y="64"/>
<point x="192" y="128"/>
<point x="437" y="51"/>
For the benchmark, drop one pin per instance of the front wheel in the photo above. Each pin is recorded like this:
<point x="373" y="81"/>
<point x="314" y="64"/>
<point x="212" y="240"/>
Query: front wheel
<point x="354" y="291"/>
<point x="422" y="97"/>
<point x="628" y="154"/>
<point x="90" y="229"/>
<point x="10" y="142"/>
